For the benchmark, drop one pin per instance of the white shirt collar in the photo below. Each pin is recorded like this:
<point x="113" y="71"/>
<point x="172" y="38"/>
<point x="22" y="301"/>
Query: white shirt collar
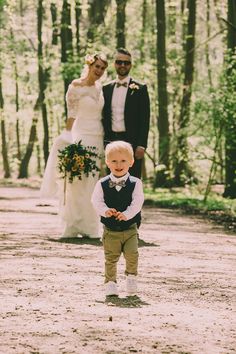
<point x="126" y="79"/>
<point x="117" y="179"/>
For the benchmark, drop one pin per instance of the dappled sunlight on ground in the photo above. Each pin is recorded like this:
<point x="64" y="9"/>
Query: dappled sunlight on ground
<point x="53" y="294"/>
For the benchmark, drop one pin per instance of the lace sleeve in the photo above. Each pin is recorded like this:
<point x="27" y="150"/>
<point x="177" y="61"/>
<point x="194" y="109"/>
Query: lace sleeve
<point x="72" y="100"/>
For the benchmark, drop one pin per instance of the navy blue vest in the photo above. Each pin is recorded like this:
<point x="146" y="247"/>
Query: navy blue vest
<point x="119" y="200"/>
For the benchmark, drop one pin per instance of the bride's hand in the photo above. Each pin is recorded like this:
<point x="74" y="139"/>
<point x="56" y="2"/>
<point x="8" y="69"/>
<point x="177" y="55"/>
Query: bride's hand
<point x="66" y="136"/>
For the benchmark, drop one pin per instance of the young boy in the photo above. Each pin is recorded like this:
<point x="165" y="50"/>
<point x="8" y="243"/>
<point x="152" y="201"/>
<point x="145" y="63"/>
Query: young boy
<point x="118" y="199"/>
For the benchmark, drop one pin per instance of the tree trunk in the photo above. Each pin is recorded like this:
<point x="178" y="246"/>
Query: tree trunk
<point x="96" y="14"/>
<point x="120" y="23"/>
<point x="230" y="128"/>
<point x="144" y="30"/>
<point x="53" y="9"/>
<point x="6" y="166"/>
<point x="176" y="98"/>
<point x="43" y="76"/>
<point x="66" y="43"/>
<point x="182" y="169"/>
<point x="38" y="156"/>
<point x="163" y="122"/>
<point x="77" y="25"/>
<point x="184" y="24"/>
<point x="23" y="171"/>
<point x="16" y="97"/>
<point x="66" y="32"/>
<point x="207" y="46"/>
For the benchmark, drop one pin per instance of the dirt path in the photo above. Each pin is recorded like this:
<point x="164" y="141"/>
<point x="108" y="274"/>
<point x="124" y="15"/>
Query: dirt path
<point x="52" y="297"/>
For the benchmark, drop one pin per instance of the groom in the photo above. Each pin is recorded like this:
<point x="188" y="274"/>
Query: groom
<point x="126" y="112"/>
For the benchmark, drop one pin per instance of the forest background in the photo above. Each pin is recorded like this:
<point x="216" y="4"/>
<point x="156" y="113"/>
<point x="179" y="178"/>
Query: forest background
<point x="184" y="50"/>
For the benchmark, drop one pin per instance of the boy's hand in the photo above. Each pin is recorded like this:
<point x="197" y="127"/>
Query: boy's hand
<point x="110" y="212"/>
<point x="120" y="216"/>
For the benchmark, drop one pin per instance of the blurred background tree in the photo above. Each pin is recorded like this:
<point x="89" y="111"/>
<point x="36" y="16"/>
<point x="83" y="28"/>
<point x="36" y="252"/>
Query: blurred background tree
<point x="184" y="51"/>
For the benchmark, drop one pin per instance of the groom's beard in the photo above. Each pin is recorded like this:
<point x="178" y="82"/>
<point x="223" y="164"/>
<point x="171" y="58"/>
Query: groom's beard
<point x="123" y="71"/>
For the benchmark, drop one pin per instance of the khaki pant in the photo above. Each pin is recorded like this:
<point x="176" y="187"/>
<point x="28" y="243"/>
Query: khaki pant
<point x="116" y="242"/>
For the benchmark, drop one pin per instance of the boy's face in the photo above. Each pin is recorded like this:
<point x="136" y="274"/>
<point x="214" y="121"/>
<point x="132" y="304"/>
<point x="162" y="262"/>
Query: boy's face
<point x="119" y="163"/>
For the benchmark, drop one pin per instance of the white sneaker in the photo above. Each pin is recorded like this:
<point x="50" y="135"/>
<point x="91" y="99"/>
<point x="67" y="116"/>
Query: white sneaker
<point x="131" y="284"/>
<point x="111" y="288"/>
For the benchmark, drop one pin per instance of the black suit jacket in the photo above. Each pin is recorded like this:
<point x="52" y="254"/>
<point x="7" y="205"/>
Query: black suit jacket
<point x="136" y="114"/>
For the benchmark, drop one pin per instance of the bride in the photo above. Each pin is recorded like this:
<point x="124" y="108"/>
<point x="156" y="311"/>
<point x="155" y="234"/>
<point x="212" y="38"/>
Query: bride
<point x="84" y="104"/>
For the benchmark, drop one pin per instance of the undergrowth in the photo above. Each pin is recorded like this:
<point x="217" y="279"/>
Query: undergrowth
<point x="217" y="208"/>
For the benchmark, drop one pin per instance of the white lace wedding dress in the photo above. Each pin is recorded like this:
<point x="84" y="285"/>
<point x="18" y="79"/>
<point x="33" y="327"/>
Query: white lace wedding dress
<point x="84" y="103"/>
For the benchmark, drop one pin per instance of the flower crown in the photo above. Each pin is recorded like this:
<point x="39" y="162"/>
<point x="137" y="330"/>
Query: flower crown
<point x="91" y="58"/>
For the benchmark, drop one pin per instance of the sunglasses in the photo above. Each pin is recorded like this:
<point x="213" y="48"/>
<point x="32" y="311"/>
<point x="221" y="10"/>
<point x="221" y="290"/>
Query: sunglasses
<point x="125" y="62"/>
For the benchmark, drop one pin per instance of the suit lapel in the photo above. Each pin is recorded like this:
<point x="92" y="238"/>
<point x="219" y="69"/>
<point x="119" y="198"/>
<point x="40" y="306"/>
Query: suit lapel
<point x="129" y="89"/>
<point x="110" y="93"/>
<point x="127" y="100"/>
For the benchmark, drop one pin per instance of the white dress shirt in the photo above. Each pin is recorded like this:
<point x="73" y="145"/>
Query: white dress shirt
<point x="118" y="105"/>
<point x="137" y="197"/>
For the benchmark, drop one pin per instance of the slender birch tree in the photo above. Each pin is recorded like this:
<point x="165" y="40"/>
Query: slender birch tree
<point x="96" y="16"/>
<point x="6" y="165"/>
<point x="120" y="23"/>
<point x="182" y="169"/>
<point x="53" y="9"/>
<point x="163" y="121"/>
<point x="43" y="77"/>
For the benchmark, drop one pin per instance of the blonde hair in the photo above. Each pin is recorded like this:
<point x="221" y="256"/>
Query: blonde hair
<point x="119" y="146"/>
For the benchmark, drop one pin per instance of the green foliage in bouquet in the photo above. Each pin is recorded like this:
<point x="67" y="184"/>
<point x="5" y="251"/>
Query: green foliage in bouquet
<point x="76" y="160"/>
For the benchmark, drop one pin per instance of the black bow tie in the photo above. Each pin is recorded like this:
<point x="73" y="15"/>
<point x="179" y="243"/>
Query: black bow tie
<point x="119" y="183"/>
<point x="119" y="84"/>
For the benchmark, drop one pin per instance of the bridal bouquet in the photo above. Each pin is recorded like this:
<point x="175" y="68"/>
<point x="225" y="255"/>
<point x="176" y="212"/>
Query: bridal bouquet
<point x="76" y="160"/>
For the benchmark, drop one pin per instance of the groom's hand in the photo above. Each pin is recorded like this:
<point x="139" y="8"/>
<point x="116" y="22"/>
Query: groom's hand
<point x="139" y="153"/>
